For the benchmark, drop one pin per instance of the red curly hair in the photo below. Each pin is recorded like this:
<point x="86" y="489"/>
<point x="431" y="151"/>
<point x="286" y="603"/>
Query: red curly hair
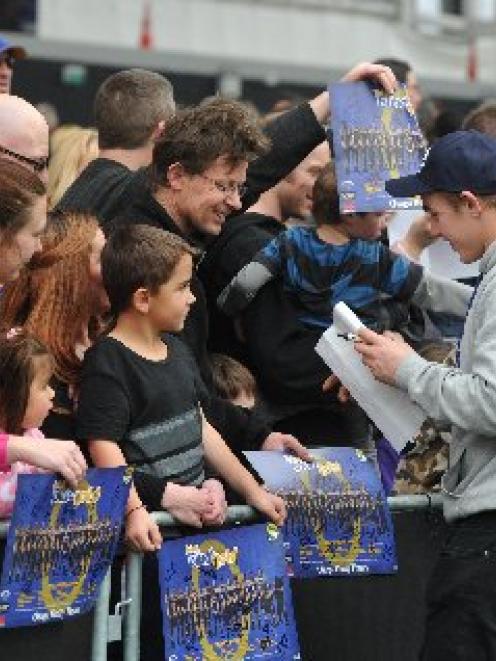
<point x="52" y="298"/>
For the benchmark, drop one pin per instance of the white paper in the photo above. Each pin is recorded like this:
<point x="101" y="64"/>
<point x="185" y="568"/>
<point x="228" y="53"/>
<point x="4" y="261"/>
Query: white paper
<point x="398" y="418"/>
<point x="439" y="257"/>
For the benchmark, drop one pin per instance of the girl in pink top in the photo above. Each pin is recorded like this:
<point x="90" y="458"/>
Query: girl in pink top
<point x="26" y="397"/>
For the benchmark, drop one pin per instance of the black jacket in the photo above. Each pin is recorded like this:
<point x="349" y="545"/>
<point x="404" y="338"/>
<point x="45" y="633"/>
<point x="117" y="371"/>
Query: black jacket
<point x="293" y="135"/>
<point x="278" y="347"/>
<point x="104" y="188"/>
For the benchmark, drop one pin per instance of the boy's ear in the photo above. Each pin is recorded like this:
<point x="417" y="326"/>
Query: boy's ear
<point x="472" y="202"/>
<point x="141" y="300"/>
<point x="158" y="131"/>
<point x="176" y="176"/>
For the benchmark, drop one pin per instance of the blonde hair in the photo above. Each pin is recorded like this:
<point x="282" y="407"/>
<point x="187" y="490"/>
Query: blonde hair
<point x="72" y="148"/>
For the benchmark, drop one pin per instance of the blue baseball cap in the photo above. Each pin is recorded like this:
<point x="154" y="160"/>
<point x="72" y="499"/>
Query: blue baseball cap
<point x="462" y="160"/>
<point x="17" y="51"/>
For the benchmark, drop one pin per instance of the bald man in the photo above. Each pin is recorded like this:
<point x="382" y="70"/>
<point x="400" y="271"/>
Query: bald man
<point x="24" y="138"/>
<point x="23" y="135"/>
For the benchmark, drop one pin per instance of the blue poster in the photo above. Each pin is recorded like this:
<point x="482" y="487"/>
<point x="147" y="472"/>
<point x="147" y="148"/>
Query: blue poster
<point x="375" y="137"/>
<point x="338" y="521"/>
<point x="225" y="595"/>
<point x="60" y="544"/>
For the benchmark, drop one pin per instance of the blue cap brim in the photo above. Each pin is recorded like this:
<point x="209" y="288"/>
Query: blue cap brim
<point x="407" y="186"/>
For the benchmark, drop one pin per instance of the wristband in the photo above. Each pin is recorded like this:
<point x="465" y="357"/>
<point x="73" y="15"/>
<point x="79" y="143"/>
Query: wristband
<point x="138" y="507"/>
<point x="4" y="439"/>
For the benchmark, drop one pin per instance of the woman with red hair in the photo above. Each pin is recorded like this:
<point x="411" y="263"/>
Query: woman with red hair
<point x="22" y="222"/>
<point x="58" y="298"/>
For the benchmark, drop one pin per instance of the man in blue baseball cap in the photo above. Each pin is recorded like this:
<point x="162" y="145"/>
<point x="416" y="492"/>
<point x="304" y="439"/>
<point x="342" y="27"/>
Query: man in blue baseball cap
<point x="8" y="56"/>
<point x="458" y="187"/>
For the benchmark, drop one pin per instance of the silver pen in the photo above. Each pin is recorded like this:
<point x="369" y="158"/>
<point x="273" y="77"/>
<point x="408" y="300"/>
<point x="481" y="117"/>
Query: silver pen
<point x="350" y="337"/>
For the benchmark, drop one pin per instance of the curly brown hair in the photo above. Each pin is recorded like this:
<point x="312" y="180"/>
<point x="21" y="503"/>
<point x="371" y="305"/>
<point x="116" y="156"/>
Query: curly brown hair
<point x="52" y="297"/>
<point x="197" y="136"/>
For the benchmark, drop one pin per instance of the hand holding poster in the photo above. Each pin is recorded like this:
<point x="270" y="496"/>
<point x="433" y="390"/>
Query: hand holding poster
<point x="338" y="522"/>
<point x="375" y="137"/>
<point x="60" y="544"/>
<point x="225" y="595"/>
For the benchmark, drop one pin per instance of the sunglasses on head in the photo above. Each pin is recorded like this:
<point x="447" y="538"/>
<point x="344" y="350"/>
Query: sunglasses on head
<point x="38" y="164"/>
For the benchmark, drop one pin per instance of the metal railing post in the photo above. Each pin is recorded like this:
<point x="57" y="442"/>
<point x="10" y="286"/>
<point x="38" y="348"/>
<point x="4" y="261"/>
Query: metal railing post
<point x="100" y="621"/>
<point x="132" y="618"/>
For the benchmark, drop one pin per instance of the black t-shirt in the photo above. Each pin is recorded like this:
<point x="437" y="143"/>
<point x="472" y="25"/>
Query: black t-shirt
<point x="104" y="188"/>
<point x="149" y="408"/>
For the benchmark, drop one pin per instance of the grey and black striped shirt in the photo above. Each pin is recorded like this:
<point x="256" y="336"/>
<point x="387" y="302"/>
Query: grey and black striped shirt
<point x="149" y="408"/>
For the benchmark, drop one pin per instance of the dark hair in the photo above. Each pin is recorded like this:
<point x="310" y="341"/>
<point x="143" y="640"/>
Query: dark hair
<point x="447" y="121"/>
<point x="19" y="187"/>
<point x="129" y="105"/>
<point x="400" y="68"/>
<point x="139" y="256"/>
<point x="18" y="353"/>
<point x="482" y="118"/>
<point x="196" y="136"/>
<point x="231" y="378"/>
<point x="326" y="197"/>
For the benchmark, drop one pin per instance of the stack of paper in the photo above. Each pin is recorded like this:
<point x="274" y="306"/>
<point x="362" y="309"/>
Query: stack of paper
<point x="391" y="409"/>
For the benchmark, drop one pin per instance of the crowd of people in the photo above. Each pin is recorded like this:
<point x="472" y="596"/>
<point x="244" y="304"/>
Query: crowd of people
<point x="166" y="276"/>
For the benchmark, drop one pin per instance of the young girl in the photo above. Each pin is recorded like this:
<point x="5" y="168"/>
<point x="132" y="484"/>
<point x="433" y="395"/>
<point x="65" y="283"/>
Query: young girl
<point x="58" y="299"/>
<point x="25" y="400"/>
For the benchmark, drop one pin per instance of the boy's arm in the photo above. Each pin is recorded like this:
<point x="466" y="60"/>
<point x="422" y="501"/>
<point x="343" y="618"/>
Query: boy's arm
<point x="442" y="295"/>
<point x="234" y="298"/>
<point x="406" y="280"/>
<point x="222" y="459"/>
<point x="264" y="266"/>
<point x="142" y="533"/>
<point x="464" y="399"/>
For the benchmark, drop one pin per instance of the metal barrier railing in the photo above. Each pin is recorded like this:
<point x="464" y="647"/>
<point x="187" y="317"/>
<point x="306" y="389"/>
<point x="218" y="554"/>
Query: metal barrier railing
<point x="236" y="514"/>
<point x="129" y="608"/>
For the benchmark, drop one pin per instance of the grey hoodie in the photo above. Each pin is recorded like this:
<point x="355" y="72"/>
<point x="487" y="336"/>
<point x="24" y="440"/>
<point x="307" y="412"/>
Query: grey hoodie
<point x="466" y="398"/>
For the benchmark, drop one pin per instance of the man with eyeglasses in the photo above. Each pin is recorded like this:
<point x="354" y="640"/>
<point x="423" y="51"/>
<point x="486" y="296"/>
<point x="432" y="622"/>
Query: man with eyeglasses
<point x="247" y="232"/>
<point x="23" y="135"/>
<point x="212" y="161"/>
<point x="8" y="56"/>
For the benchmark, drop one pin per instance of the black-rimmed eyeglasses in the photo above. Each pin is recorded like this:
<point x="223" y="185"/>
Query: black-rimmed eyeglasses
<point x="38" y="164"/>
<point x="226" y="187"/>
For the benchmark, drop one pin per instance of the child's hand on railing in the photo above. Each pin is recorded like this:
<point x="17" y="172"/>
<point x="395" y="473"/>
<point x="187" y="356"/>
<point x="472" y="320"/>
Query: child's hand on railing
<point x="142" y="533"/>
<point x="216" y="514"/>
<point x="186" y="504"/>
<point x="267" y="503"/>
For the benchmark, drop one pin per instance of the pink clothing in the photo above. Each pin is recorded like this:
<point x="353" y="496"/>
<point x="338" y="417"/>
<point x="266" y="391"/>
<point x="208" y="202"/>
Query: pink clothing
<point x="8" y="478"/>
